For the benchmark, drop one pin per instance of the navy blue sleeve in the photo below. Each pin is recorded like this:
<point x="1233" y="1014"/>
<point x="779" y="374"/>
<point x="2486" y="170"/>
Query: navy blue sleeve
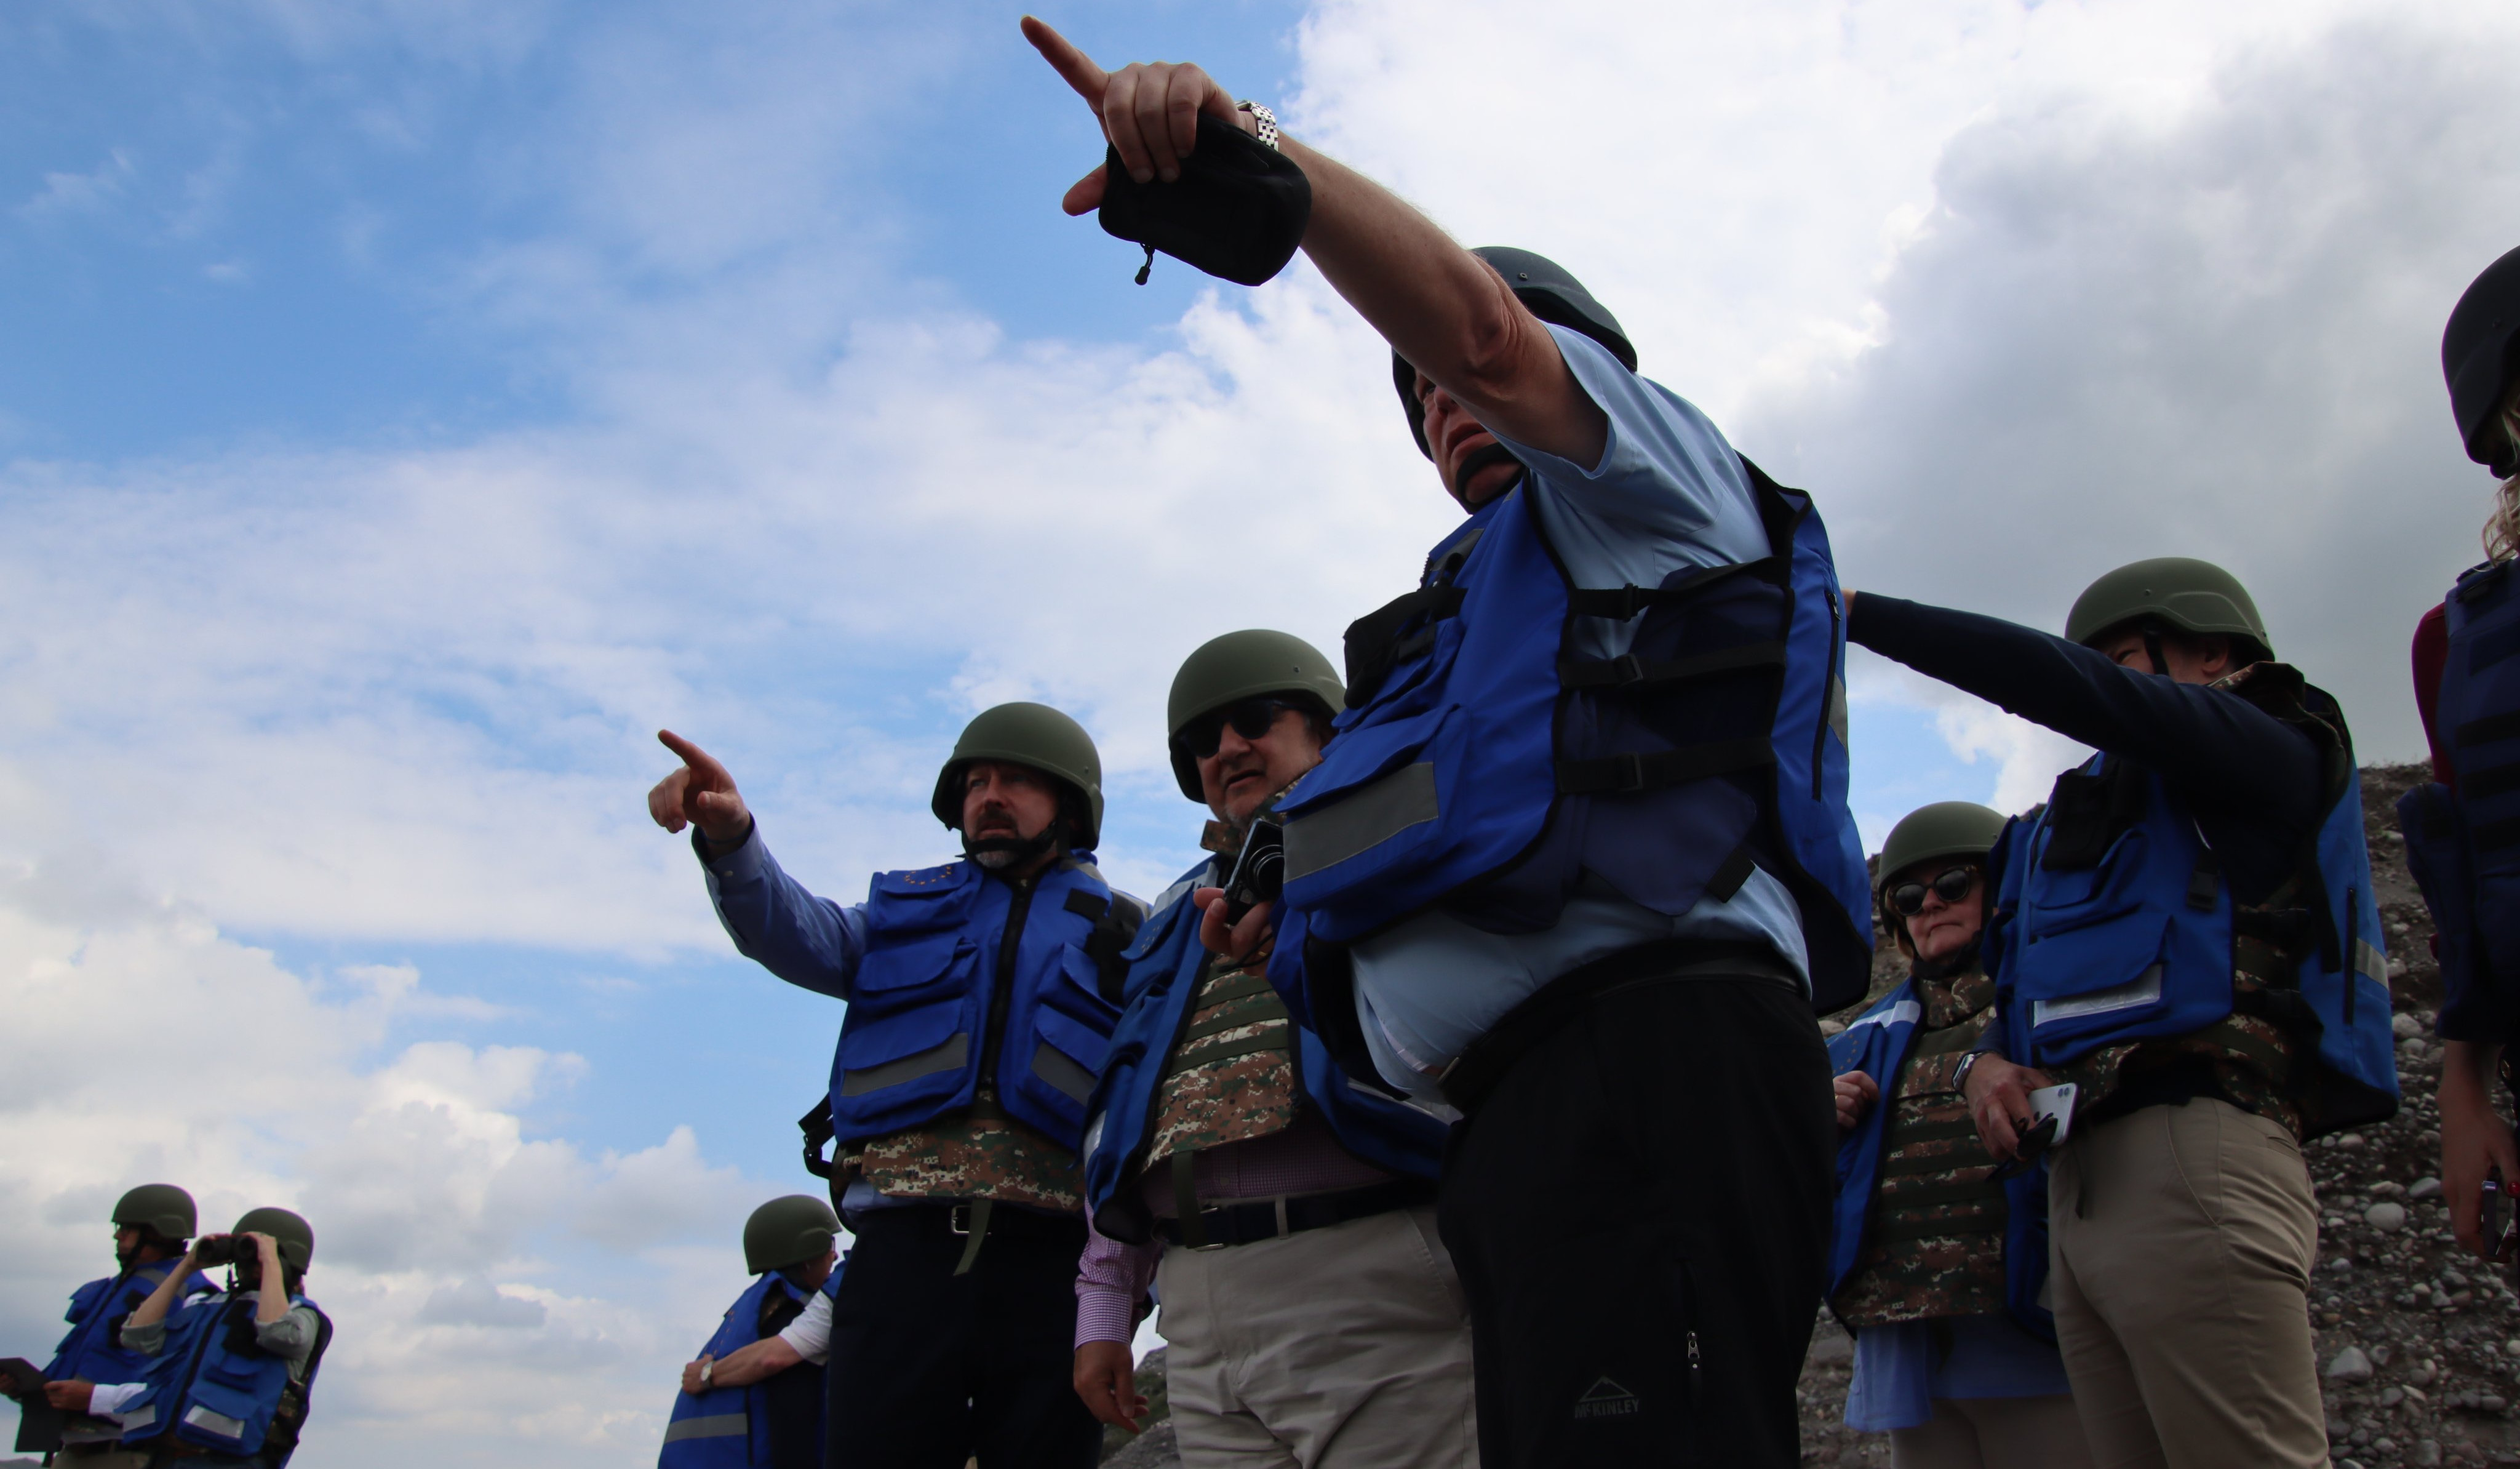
<point x="2218" y="750"/>
<point x="810" y="942"/>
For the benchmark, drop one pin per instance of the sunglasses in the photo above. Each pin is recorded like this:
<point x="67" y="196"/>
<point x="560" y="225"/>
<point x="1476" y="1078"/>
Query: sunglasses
<point x="1953" y="883"/>
<point x="1250" y="718"/>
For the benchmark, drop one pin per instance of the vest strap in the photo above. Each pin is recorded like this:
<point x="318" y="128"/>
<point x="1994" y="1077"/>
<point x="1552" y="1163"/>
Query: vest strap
<point x="1218" y="1025"/>
<point x="1900" y="1226"/>
<point x="2487" y="730"/>
<point x="1629" y="672"/>
<point x="1240" y="986"/>
<point x="1637" y="771"/>
<point x="1620" y="602"/>
<point x="976" y="1227"/>
<point x="1929" y="1194"/>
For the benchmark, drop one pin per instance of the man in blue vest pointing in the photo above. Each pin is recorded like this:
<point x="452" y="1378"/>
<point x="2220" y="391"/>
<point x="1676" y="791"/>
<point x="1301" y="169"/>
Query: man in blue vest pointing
<point x="981" y="996"/>
<point x="1578" y="859"/>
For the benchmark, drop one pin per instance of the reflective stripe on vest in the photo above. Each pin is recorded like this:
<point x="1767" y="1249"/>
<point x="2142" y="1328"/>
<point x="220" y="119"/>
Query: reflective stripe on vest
<point x="921" y="1004"/>
<point x="715" y="1426"/>
<point x="1477" y="752"/>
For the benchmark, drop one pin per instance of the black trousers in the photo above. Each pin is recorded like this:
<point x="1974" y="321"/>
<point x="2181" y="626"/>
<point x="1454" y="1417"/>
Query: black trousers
<point x="930" y="1369"/>
<point x="1639" y="1212"/>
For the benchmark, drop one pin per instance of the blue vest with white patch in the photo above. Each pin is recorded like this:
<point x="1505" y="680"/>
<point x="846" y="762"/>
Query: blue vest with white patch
<point x="211" y="1387"/>
<point x="1481" y="768"/>
<point x="2464" y="845"/>
<point x="733" y="1427"/>
<point x="2112" y="924"/>
<point x="1164" y="965"/>
<point x="926" y="990"/>
<point x="1876" y="1044"/>
<point x="92" y="1352"/>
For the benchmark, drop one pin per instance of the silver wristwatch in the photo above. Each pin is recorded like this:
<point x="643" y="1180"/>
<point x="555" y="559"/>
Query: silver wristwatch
<point x="1960" y="1073"/>
<point x="1264" y="122"/>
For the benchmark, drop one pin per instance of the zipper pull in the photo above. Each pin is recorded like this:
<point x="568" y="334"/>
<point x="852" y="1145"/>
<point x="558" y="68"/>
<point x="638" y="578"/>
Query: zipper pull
<point x="1149" y="268"/>
<point x="1694" y="1373"/>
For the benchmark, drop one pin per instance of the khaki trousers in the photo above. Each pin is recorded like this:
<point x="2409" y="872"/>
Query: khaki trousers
<point x="1995" y="1433"/>
<point x="1348" y="1345"/>
<point x="2181" y="1244"/>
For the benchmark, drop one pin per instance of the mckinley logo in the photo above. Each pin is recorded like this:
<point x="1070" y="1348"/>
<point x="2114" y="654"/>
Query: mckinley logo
<point x="1606" y="1398"/>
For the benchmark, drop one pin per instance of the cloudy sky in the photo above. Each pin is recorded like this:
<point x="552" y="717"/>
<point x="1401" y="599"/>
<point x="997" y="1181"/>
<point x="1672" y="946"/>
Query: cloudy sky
<point x="406" y="408"/>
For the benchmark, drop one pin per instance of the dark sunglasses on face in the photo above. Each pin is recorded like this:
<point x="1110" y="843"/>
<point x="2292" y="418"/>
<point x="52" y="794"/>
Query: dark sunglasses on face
<point x="1953" y="883"/>
<point x="1250" y="718"/>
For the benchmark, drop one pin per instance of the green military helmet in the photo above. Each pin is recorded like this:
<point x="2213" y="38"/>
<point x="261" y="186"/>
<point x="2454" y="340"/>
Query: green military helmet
<point x="2193" y="596"/>
<point x="795" y="1230"/>
<point x="1240" y="665"/>
<point x="160" y="1206"/>
<point x="1026" y="734"/>
<point x="1944" y="829"/>
<point x="294" y="1237"/>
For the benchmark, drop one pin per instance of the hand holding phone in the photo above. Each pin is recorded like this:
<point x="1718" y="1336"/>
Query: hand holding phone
<point x="1259" y="872"/>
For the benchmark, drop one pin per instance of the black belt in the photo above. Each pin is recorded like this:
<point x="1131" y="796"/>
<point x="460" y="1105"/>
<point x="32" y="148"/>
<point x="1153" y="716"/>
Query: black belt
<point x="1484" y="1062"/>
<point x="952" y="1218"/>
<point x="1276" y="1219"/>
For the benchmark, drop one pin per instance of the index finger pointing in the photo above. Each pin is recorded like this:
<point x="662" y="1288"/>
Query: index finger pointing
<point x="691" y="755"/>
<point x="1074" y="66"/>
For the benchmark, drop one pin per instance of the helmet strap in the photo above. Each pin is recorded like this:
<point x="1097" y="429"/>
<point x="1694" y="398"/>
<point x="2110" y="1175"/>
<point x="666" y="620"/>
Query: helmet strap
<point x="1481" y="459"/>
<point x="2152" y="650"/>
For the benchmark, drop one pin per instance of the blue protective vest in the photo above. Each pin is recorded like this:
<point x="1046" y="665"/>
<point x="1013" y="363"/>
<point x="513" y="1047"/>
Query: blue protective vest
<point x="734" y="1428"/>
<point x="1875" y="1043"/>
<point x="1163" y="971"/>
<point x="2112" y="924"/>
<point x="937" y="985"/>
<point x="211" y="1387"/>
<point x="2464" y="845"/>
<point x="1480" y="767"/>
<point x="91" y="1352"/>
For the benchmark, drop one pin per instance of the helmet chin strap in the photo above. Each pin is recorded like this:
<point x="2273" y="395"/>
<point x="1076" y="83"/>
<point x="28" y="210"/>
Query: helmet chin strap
<point x="2152" y="650"/>
<point x="1481" y="459"/>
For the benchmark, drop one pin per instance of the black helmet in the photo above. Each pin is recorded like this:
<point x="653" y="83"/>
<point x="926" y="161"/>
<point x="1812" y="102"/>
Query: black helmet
<point x="2190" y="595"/>
<point x="290" y="1231"/>
<point x="795" y="1230"/>
<point x="1238" y="666"/>
<point x="1026" y="734"/>
<point x="2477" y="360"/>
<point x="160" y="1206"/>
<point x="1553" y="296"/>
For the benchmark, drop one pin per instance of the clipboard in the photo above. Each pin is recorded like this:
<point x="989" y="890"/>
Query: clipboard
<point x="39" y="1423"/>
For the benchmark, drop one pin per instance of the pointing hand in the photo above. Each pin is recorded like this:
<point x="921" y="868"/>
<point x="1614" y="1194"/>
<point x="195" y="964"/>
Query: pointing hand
<point x="1150" y="111"/>
<point x="699" y="794"/>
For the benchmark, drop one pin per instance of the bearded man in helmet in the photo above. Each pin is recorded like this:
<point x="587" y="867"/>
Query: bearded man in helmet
<point x="2463" y="838"/>
<point x="231" y="1375"/>
<point x="1310" y="1314"/>
<point x="2186" y="933"/>
<point x="152" y="1225"/>
<point x="754" y="1398"/>
<point x="981" y="996"/>
<point x="1579" y="860"/>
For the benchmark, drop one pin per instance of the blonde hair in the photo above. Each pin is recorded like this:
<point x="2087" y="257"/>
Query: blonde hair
<point x="2502" y="527"/>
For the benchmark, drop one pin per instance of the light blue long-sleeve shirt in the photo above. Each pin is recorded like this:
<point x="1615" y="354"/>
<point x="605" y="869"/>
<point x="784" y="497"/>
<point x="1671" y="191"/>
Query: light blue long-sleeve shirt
<point x="1667" y="494"/>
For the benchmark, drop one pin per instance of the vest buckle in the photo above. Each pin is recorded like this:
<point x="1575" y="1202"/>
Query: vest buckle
<point x="1628" y="770"/>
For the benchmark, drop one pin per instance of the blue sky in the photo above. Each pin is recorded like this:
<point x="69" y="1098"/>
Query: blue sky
<point x="406" y="408"/>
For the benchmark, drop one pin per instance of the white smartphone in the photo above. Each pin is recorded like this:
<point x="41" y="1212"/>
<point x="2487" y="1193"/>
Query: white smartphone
<point x="2057" y="1102"/>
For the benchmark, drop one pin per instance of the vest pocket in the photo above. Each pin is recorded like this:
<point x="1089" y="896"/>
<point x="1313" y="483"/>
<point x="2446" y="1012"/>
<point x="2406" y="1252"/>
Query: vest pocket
<point x="891" y="1050"/>
<point x="2067" y="901"/>
<point x="1383" y="785"/>
<point x="902" y="968"/>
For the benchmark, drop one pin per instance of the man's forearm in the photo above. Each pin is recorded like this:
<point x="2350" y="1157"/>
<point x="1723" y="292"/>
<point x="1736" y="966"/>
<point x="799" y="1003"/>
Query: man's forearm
<point x="747" y="1366"/>
<point x="1443" y="310"/>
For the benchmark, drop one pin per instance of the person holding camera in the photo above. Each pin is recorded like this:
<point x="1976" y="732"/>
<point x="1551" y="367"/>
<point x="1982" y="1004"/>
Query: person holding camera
<point x="152" y="1225"/>
<point x="1939" y="1258"/>
<point x="1579" y="860"/>
<point x="2185" y="932"/>
<point x="981" y="996"/>
<point x="1282" y="1207"/>
<point x="229" y="1375"/>
<point x="754" y="1395"/>
<point x="2462" y="828"/>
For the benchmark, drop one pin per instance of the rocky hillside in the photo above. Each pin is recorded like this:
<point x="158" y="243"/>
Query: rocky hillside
<point x="2418" y="1344"/>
